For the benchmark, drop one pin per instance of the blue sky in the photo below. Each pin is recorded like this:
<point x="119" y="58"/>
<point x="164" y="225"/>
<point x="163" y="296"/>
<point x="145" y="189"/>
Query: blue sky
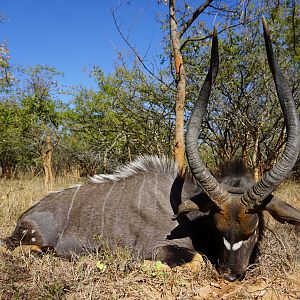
<point x="72" y="36"/>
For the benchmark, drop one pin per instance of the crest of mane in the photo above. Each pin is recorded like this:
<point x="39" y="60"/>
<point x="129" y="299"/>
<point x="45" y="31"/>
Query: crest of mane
<point x="142" y="164"/>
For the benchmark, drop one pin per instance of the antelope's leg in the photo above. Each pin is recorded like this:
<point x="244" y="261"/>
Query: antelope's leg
<point x="27" y="249"/>
<point x="22" y="249"/>
<point x="175" y="256"/>
<point x="196" y="264"/>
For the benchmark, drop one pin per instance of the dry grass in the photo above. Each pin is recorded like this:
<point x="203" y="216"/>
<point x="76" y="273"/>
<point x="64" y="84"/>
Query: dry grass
<point x="109" y="275"/>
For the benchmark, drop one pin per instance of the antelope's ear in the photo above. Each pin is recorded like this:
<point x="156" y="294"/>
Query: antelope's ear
<point x="283" y="212"/>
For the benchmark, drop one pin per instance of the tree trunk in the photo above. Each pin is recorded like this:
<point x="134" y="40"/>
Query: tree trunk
<point x="7" y="171"/>
<point x="245" y="148"/>
<point x="255" y="158"/>
<point x="179" y="149"/>
<point x="47" y="161"/>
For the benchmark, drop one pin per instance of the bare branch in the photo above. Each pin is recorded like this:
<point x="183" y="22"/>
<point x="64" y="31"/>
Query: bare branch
<point x="193" y="17"/>
<point x="138" y="56"/>
<point x="219" y="32"/>
<point x="222" y="9"/>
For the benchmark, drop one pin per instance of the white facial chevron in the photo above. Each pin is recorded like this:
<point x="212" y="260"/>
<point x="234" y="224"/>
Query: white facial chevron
<point x="234" y="247"/>
<point x="227" y="244"/>
<point x="237" y="246"/>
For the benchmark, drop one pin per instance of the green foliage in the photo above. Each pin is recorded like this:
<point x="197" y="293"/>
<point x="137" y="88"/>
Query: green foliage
<point x="28" y="114"/>
<point x="124" y="118"/>
<point x="244" y="116"/>
<point x="130" y="113"/>
<point x="6" y="77"/>
<point x="11" y="146"/>
<point x="285" y="18"/>
<point x="38" y="99"/>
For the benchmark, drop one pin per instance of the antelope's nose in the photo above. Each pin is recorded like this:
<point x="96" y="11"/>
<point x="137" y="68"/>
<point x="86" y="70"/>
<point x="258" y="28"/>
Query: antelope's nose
<point x="233" y="277"/>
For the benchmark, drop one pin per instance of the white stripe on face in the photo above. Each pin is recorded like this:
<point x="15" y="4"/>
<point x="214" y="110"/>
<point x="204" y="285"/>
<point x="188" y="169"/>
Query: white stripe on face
<point x="227" y="244"/>
<point x="237" y="246"/>
<point x="234" y="247"/>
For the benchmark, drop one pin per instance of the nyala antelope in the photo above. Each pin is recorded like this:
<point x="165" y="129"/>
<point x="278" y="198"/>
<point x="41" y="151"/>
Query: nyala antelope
<point x="156" y="213"/>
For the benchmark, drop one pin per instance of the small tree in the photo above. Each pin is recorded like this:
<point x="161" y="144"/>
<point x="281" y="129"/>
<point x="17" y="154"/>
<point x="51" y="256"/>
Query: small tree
<point x="41" y="117"/>
<point x="178" y="27"/>
<point x="126" y="116"/>
<point x="244" y="116"/>
<point x="6" y="78"/>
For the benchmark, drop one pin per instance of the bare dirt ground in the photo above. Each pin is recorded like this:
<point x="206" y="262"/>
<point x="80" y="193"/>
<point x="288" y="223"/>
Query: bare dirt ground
<point x="109" y="275"/>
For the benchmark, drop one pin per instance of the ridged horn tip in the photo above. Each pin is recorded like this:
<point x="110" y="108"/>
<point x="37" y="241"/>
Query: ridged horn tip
<point x="215" y="32"/>
<point x="265" y="25"/>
